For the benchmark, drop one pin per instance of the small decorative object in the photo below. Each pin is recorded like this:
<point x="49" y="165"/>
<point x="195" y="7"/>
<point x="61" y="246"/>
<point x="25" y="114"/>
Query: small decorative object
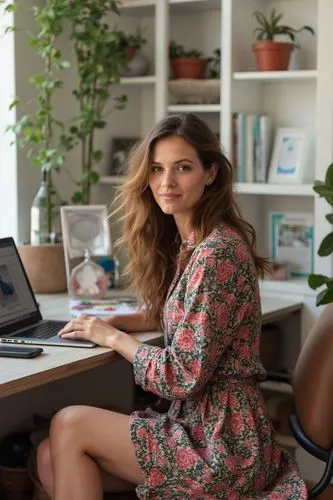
<point x="120" y="149"/>
<point x="84" y="226"/>
<point x="325" y="190"/>
<point x="186" y="63"/>
<point x="111" y="267"/>
<point x="88" y="280"/>
<point x="292" y="241"/>
<point x="289" y="157"/>
<point x="274" y="55"/>
<point x="192" y="91"/>
<point x="138" y="65"/>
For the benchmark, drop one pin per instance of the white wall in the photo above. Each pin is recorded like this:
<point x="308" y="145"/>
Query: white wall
<point x="8" y="178"/>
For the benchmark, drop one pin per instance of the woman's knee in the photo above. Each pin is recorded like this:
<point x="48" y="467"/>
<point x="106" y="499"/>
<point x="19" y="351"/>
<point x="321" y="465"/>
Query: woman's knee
<point x="44" y="464"/>
<point x="66" y="427"/>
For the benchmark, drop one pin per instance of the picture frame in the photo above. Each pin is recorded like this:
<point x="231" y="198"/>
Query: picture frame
<point x="84" y="226"/>
<point x="289" y="156"/>
<point x="120" y="149"/>
<point x="292" y="241"/>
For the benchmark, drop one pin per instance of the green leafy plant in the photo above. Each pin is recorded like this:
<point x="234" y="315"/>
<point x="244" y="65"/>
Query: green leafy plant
<point x="325" y="190"/>
<point x="177" y="50"/>
<point x="36" y="131"/>
<point x="271" y="26"/>
<point x="215" y="64"/>
<point x="135" y="41"/>
<point x="100" y="59"/>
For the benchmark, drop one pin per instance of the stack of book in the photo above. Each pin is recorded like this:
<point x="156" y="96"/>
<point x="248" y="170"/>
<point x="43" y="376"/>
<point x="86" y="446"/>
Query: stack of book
<point x="252" y="145"/>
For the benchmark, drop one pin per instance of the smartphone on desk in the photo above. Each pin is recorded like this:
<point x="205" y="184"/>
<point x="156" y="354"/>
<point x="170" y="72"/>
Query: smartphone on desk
<point x="19" y="352"/>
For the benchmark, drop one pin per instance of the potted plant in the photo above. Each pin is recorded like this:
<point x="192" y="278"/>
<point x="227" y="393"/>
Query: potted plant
<point x="35" y="131"/>
<point x="325" y="190"/>
<point x="186" y="63"/>
<point x="272" y="55"/>
<point x="100" y="55"/>
<point x="133" y="43"/>
<point x="100" y="58"/>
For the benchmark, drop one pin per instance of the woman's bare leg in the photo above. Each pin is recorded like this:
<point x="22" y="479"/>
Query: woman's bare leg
<point x="110" y="484"/>
<point x="83" y="440"/>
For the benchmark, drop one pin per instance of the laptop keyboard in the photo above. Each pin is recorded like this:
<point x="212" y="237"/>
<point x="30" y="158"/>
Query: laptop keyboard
<point x="43" y="331"/>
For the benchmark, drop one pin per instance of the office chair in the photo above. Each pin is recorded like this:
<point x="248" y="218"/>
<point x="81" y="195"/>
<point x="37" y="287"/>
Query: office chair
<point x="312" y="382"/>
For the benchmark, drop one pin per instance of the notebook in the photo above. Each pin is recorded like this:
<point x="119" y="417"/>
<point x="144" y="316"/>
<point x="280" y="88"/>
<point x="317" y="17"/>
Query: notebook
<point x="21" y="321"/>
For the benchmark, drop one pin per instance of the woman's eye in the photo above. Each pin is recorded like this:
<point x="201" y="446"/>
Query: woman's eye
<point x="183" y="168"/>
<point x="155" y="168"/>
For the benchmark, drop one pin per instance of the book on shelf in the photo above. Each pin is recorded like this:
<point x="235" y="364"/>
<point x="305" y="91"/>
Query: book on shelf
<point x="252" y="145"/>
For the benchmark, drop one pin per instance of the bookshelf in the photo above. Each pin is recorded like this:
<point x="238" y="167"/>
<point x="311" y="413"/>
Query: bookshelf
<point x="300" y="97"/>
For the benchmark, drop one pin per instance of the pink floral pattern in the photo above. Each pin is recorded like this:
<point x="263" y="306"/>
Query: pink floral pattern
<point x="216" y="440"/>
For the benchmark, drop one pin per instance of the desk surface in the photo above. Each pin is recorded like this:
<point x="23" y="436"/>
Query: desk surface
<point x="18" y="375"/>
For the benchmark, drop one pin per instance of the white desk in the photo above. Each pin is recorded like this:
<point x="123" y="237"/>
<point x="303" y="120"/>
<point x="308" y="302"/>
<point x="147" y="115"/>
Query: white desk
<point x="17" y="375"/>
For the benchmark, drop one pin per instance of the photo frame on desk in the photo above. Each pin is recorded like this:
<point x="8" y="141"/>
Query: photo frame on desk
<point x="84" y="227"/>
<point x="120" y="150"/>
<point x="289" y="156"/>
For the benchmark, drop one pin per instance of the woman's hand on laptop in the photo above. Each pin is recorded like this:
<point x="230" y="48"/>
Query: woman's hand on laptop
<point x="91" y="328"/>
<point x="96" y="330"/>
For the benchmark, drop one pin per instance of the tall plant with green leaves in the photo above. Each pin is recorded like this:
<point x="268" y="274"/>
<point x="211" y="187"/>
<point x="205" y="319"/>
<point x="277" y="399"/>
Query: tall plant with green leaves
<point x="36" y="131"/>
<point x="100" y="60"/>
<point x="325" y="190"/>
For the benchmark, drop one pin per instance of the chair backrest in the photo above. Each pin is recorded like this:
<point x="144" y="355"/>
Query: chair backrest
<point x="313" y="381"/>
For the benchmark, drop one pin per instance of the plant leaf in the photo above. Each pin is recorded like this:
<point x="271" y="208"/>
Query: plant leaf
<point x="317" y="280"/>
<point x="326" y="246"/>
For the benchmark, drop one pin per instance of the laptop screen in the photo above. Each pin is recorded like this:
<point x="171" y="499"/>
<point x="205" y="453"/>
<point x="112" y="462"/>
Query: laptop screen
<point x="18" y="307"/>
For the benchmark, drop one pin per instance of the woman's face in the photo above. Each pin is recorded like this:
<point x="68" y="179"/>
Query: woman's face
<point x="177" y="177"/>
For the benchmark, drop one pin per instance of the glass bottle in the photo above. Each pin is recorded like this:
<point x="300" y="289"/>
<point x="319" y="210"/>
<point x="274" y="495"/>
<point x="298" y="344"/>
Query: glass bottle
<point x="38" y="216"/>
<point x="88" y="280"/>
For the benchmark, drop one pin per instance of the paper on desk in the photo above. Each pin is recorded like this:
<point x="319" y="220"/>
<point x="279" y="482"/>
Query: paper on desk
<point x="103" y="307"/>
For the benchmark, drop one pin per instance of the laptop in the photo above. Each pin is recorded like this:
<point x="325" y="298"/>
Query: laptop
<point x="21" y="321"/>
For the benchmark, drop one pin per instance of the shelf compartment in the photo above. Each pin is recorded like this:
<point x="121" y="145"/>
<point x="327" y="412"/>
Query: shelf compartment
<point x="294" y="285"/>
<point x="138" y="7"/>
<point x="276" y="76"/>
<point x="194" y="108"/>
<point x="138" y="80"/>
<point x="274" y="189"/>
<point x="187" y="6"/>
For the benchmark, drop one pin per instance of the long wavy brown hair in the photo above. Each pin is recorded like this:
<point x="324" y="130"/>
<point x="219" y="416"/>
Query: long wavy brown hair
<point x="150" y="235"/>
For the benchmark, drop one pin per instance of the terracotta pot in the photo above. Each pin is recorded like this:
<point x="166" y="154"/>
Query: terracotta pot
<point x="188" y="67"/>
<point x="45" y="267"/>
<point x="272" y="56"/>
<point x="130" y="53"/>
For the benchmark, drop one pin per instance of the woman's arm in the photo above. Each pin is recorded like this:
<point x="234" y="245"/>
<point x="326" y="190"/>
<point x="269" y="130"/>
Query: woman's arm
<point x="135" y="322"/>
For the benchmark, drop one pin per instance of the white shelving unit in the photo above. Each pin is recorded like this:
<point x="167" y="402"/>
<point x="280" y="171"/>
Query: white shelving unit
<point x="295" y="98"/>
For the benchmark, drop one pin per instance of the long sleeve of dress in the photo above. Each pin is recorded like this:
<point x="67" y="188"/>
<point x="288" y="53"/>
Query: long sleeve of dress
<point x="214" y="306"/>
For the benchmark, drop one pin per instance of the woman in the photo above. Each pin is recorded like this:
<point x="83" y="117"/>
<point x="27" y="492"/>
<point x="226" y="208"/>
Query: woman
<point x="192" y="260"/>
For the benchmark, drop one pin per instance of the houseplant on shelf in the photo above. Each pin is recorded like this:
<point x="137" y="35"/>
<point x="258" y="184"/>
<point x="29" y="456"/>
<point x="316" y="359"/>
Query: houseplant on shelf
<point x="325" y="190"/>
<point x="100" y="58"/>
<point x="186" y="63"/>
<point x="273" y="55"/>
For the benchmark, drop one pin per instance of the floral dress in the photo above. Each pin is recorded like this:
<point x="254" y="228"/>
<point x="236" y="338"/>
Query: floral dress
<point x="216" y="440"/>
